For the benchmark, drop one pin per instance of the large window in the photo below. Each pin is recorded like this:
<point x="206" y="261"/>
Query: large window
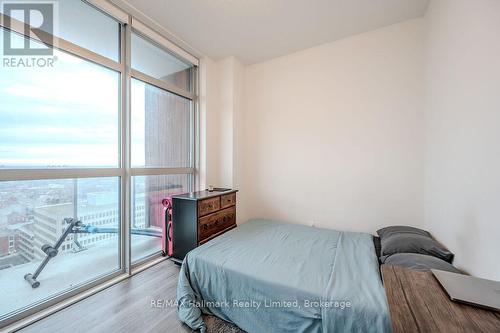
<point x="89" y="148"/>
<point x="162" y="121"/>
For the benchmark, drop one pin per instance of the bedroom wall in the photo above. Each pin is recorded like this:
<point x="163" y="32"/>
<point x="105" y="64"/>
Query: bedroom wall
<point x="220" y="113"/>
<point x="462" y="191"/>
<point x="209" y="147"/>
<point x="332" y="136"/>
<point x="345" y="130"/>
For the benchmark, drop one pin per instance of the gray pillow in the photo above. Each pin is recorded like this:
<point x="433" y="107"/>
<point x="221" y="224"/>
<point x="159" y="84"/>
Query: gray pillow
<point x="404" y="239"/>
<point x="420" y="262"/>
<point x="401" y="229"/>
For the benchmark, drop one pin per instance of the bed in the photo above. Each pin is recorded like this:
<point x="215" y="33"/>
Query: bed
<point x="267" y="276"/>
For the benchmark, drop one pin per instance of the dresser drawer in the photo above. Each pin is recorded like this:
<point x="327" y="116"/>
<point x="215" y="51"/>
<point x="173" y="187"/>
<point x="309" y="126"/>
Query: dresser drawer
<point x="228" y="200"/>
<point x="208" y="206"/>
<point x="216" y="222"/>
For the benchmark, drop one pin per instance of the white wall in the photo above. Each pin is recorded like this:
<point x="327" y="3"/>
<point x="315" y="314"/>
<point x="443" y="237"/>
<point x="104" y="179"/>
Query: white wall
<point x="333" y="135"/>
<point x="396" y="126"/>
<point x="220" y="101"/>
<point x="462" y="191"/>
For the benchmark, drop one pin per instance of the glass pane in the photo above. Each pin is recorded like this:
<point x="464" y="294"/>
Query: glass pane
<point x="161" y="127"/>
<point x="65" y="115"/>
<point x="70" y="21"/>
<point x="154" y="61"/>
<point x="148" y="217"/>
<point x="32" y="214"/>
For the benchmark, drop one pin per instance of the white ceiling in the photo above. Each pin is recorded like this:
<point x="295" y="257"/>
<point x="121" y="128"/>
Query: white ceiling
<point x="257" y="30"/>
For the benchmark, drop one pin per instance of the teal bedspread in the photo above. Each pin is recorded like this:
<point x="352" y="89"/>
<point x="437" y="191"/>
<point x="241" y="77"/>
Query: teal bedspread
<point x="267" y="276"/>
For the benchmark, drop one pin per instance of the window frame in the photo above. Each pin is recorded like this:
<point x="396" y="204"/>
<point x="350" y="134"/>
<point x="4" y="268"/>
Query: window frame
<point x="136" y="74"/>
<point x="124" y="171"/>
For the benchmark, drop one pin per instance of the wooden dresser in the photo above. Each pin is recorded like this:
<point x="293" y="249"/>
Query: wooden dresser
<point x="199" y="217"/>
<point x="418" y="303"/>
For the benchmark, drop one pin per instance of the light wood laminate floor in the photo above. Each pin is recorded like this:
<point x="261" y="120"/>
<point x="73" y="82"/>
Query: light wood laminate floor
<point x="124" y="307"/>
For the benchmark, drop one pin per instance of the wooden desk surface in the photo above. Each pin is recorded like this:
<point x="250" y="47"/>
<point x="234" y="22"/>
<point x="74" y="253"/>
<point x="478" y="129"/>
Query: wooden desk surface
<point x="417" y="303"/>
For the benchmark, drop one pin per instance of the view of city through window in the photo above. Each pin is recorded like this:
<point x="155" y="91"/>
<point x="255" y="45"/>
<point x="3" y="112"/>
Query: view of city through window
<point x="33" y="213"/>
<point x="62" y="164"/>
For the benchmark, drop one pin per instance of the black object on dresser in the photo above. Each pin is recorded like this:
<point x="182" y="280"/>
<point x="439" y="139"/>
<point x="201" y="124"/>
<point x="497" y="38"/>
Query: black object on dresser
<point x="199" y="217"/>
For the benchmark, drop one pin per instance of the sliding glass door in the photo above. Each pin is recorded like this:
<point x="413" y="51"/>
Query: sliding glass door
<point x="93" y="136"/>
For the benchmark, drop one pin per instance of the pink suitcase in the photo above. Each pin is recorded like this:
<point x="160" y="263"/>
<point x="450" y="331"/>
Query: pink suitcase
<point x="167" y="232"/>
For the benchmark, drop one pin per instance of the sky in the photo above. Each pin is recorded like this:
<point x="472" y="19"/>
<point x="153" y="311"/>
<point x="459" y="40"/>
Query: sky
<point x="65" y="116"/>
